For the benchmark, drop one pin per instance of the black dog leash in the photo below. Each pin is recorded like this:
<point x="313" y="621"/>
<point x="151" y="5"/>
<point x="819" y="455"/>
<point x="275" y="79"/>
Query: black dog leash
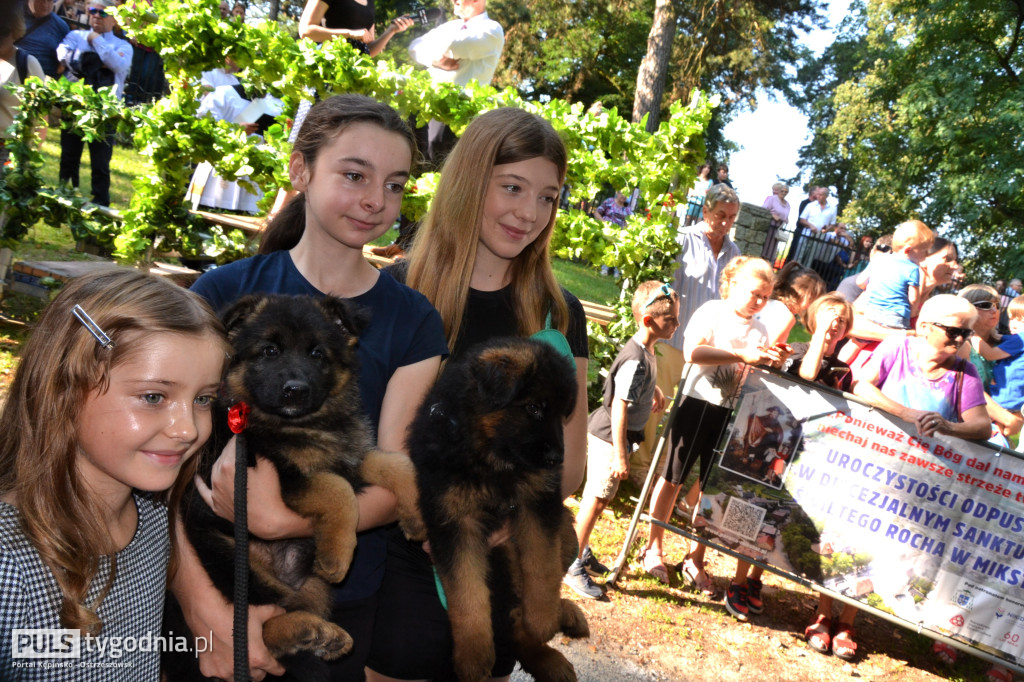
<point x="237" y="417"/>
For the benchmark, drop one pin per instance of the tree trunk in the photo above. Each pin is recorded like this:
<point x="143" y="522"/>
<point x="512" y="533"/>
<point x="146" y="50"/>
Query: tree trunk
<point x="275" y="9"/>
<point x="650" y="79"/>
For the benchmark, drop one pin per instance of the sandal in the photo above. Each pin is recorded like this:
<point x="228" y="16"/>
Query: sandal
<point x="654" y="565"/>
<point x="818" y="634"/>
<point x="843" y="645"/>
<point x="684" y="510"/>
<point x="998" y="673"/>
<point x="944" y="652"/>
<point x="698" y="577"/>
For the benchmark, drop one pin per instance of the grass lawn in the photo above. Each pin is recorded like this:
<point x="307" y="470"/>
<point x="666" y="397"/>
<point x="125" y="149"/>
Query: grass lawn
<point x="586" y="282"/>
<point x="126" y="165"/>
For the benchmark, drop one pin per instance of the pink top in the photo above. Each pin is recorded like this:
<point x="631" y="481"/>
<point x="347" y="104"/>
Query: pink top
<point x="776" y="205"/>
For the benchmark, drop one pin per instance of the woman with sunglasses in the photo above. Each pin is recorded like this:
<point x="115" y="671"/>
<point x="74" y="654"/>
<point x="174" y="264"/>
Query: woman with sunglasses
<point x="922" y="380"/>
<point x="985" y="300"/>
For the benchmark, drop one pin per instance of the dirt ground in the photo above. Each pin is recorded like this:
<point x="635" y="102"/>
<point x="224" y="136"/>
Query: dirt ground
<point x="674" y="633"/>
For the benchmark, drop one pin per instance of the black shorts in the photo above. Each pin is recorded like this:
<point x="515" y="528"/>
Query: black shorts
<point x="412" y="638"/>
<point x="356" y="617"/>
<point x="693" y="434"/>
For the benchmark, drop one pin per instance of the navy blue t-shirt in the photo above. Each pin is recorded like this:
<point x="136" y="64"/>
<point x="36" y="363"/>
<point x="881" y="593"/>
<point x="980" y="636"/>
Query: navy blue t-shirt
<point x="404" y="329"/>
<point x="42" y="42"/>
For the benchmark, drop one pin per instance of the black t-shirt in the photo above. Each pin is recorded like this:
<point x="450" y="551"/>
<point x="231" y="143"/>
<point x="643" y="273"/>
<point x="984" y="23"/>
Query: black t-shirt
<point x="833" y="372"/>
<point x="491" y="314"/>
<point x="348" y="14"/>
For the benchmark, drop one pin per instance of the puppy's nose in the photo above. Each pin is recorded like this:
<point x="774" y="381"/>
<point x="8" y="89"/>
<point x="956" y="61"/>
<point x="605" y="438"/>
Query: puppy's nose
<point x="553" y="457"/>
<point x="295" y="391"/>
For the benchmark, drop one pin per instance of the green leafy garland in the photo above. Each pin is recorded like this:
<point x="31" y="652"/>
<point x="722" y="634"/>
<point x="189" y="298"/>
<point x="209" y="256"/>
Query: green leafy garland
<point x="604" y="149"/>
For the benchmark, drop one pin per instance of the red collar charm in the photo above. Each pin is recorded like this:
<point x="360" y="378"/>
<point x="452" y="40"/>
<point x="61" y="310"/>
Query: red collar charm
<point x="238" y="417"/>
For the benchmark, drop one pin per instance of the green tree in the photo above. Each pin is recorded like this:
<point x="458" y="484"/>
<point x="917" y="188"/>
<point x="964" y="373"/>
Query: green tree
<point x="928" y="111"/>
<point x="650" y="80"/>
<point x="827" y="159"/>
<point x="592" y="50"/>
<point x="842" y="563"/>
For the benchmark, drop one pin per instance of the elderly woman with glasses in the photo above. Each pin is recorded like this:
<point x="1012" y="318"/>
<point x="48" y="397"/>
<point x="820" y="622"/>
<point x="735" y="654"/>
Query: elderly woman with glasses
<point x="922" y="380"/>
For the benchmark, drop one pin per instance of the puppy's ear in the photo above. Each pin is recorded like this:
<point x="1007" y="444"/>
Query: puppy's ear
<point x="496" y="376"/>
<point x="352" y="318"/>
<point x="241" y="310"/>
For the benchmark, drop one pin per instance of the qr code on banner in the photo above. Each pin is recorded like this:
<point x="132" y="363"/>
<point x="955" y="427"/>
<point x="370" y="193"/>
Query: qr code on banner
<point x="743" y="519"/>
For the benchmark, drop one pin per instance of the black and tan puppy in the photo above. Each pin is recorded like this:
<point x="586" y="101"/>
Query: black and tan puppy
<point x="295" y="367"/>
<point x="488" y="448"/>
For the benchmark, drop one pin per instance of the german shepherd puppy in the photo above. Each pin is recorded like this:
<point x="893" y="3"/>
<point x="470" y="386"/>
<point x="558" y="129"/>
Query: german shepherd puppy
<point x="488" y="448"/>
<point x="294" y="366"/>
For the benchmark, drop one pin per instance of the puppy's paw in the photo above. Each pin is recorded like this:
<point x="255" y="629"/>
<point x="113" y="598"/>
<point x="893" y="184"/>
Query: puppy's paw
<point x="573" y="622"/>
<point x="558" y="671"/>
<point x="332" y="567"/>
<point x="473" y="659"/>
<point x="331" y="642"/>
<point x="556" y="668"/>
<point x="303" y="631"/>
<point x="412" y="527"/>
<point x="545" y="664"/>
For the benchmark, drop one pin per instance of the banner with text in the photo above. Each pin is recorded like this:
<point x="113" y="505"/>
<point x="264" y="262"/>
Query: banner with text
<point x="930" y="530"/>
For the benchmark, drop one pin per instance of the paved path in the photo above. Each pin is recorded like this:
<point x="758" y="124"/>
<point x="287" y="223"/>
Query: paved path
<point x="599" y="666"/>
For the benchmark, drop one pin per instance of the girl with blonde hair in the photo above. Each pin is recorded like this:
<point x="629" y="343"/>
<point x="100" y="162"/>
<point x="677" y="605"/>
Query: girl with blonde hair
<point x="722" y="337"/>
<point x="482" y="258"/>
<point x="453" y="250"/>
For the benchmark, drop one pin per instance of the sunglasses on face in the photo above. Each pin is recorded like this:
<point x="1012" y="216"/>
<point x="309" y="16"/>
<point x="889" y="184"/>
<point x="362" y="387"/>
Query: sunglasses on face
<point x="664" y="291"/>
<point x="98" y="11"/>
<point x="985" y="305"/>
<point x="883" y="248"/>
<point x="954" y="333"/>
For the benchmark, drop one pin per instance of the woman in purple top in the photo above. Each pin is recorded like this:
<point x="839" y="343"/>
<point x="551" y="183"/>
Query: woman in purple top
<point x="614" y="210"/>
<point x="921" y="380"/>
<point x="777" y="204"/>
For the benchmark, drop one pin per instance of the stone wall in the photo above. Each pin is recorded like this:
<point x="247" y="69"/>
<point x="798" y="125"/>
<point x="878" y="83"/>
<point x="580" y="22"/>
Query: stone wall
<point x="751" y="229"/>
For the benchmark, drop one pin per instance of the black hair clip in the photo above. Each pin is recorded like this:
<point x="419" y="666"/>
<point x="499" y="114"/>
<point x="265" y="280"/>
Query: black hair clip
<point x="94" y="329"/>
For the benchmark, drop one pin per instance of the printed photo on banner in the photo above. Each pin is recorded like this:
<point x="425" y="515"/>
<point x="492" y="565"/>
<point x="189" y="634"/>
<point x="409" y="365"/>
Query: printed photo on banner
<point x="762" y="440"/>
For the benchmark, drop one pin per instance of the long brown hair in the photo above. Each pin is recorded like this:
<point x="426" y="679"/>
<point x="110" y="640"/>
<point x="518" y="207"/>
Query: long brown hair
<point x="797" y="286"/>
<point x="325" y="121"/>
<point x="61" y="365"/>
<point x="444" y="251"/>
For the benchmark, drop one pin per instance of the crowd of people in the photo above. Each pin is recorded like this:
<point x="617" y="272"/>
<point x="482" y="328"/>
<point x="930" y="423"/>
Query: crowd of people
<point x="129" y="365"/>
<point x="889" y="334"/>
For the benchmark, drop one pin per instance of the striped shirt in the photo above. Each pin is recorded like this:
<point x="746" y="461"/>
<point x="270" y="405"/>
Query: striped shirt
<point x="696" y="277"/>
